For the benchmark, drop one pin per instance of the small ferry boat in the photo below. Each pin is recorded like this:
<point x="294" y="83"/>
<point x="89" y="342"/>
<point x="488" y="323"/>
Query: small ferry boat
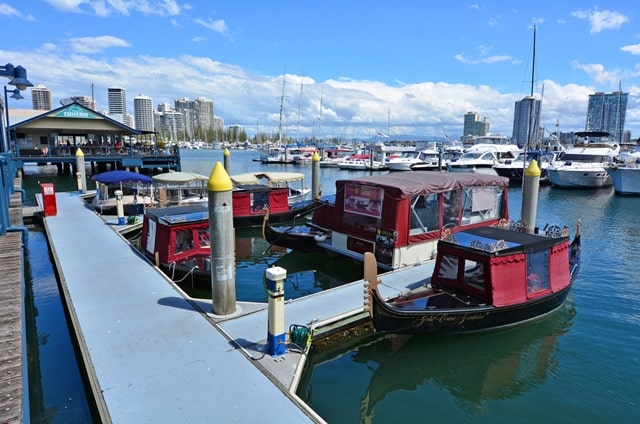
<point x="293" y="182"/>
<point x="177" y="240"/>
<point x="399" y="216"/>
<point x="180" y="188"/>
<point x="484" y="278"/>
<point x="135" y="188"/>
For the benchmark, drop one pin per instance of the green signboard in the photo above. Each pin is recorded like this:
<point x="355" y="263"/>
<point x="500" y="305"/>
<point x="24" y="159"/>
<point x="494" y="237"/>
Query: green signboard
<point x="75" y="111"/>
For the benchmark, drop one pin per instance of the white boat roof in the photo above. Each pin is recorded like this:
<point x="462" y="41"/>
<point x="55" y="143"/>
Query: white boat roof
<point x="275" y="177"/>
<point x="178" y="177"/>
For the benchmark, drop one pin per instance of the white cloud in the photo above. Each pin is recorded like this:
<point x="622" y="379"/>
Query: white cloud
<point x="96" y="44"/>
<point x="484" y="60"/>
<point x="218" y="25"/>
<point x="634" y="49"/>
<point x="350" y="107"/>
<point x="602" y="20"/>
<point x="598" y="73"/>
<point x="105" y="8"/>
<point x="8" y="10"/>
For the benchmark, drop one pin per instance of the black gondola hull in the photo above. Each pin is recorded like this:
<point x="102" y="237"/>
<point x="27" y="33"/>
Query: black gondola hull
<point x="388" y="319"/>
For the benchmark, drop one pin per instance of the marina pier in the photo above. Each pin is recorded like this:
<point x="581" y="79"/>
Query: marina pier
<point x="144" y="342"/>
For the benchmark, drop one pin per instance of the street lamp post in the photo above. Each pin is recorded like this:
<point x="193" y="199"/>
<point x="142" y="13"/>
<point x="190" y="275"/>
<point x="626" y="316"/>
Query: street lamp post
<point x="17" y="96"/>
<point x="18" y="77"/>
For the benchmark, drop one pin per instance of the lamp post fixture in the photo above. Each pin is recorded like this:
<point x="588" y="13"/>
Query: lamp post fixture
<point x="18" y="77"/>
<point x="17" y="96"/>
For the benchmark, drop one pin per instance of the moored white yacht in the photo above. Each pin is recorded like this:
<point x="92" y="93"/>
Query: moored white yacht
<point x="625" y="173"/>
<point x="585" y="164"/>
<point x="361" y="162"/>
<point x="482" y="157"/>
<point x="514" y="169"/>
<point x="420" y="159"/>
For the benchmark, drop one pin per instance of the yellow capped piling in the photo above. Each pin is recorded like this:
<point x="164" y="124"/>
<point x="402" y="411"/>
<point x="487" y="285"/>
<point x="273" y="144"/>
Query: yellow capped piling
<point x="223" y="285"/>
<point x="530" y="188"/>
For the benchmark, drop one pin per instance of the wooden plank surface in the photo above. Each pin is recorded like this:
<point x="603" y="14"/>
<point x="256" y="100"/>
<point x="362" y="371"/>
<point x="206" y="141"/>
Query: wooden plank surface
<point x="11" y="328"/>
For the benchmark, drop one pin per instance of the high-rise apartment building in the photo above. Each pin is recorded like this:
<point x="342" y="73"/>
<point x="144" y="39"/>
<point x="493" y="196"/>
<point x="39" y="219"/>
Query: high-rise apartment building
<point x="526" y="122"/>
<point x="196" y="113"/>
<point x="117" y="98"/>
<point x="85" y="101"/>
<point x="474" y="126"/>
<point x="143" y="112"/>
<point x="607" y="112"/>
<point x="41" y="98"/>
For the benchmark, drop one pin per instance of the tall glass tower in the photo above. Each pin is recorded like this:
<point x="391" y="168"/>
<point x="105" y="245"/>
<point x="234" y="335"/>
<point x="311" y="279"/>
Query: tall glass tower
<point x="526" y="122"/>
<point x="607" y="112"/>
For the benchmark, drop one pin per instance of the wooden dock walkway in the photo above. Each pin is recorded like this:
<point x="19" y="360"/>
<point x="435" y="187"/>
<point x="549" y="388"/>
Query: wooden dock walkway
<point x="12" y="386"/>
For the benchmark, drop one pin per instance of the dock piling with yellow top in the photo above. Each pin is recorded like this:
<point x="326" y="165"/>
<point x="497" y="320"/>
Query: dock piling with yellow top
<point x="223" y="284"/>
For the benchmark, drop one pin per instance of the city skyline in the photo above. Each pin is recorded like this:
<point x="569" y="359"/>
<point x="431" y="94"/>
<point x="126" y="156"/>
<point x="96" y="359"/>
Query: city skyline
<point x="403" y="70"/>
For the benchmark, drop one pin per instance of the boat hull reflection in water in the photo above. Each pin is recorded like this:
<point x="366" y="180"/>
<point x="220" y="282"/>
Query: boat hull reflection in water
<point x="473" y="370"/>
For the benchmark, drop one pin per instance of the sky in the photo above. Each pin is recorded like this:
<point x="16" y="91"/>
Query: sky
<point x="337" y="68"/>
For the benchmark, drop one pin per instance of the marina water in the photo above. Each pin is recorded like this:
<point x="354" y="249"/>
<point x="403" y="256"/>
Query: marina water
<point x="579" y="365"/>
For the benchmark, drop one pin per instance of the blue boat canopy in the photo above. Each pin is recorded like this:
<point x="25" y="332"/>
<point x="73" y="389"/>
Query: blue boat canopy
<point x="116" y="177"/>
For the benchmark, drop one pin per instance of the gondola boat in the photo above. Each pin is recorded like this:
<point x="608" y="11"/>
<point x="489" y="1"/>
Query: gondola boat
<point x="399" y="216"/>
<point x="303" y="238"/>
<point x="177" y="240"/>
<point x="484" y="278"/>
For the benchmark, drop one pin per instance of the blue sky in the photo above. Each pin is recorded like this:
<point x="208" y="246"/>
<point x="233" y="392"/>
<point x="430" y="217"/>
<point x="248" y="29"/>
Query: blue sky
<point x="404" y="67"/>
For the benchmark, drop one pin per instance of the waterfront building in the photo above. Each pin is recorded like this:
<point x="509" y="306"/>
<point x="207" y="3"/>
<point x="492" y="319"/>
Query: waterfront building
<point x="526" y="122"/>
<point x="143" y="113"/>
<point x="607" y="112"/>
<point x="41" y="98"/>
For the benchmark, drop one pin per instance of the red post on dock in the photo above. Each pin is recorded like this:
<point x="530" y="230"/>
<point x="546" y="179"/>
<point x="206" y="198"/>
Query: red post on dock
<point x="49" y="199"/>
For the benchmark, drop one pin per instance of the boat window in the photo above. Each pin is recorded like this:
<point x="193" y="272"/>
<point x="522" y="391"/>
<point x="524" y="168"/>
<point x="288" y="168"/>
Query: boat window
<point x="360" y="222"/>
<point x="259" y="201"/>
<point x="425" y="213"/>
<point x="474" y="274"/>
<point x="481" y="204"/>
<point x="184" y="241"/>
<point x="576" y="157"/>
<point x="448" y="267"/>
<point x="203" y="237"/>
<point x="538" y="271"/>
<point x="451" y="208"/>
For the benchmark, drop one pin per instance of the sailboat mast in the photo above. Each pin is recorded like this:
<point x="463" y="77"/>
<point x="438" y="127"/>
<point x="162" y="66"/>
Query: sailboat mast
<point x="300" y="106"/>
<point x="533" y="63"/>
<point x="284" y="80"/>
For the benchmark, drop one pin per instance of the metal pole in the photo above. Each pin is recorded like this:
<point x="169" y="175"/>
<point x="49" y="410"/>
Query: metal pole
<point x="6" y="133"/>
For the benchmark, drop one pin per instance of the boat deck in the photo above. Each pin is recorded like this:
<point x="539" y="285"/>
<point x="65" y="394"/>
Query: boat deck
<point x="144" y="342"/>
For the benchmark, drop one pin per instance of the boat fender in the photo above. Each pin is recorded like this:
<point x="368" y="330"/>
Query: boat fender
<point x="319" y="238"/>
